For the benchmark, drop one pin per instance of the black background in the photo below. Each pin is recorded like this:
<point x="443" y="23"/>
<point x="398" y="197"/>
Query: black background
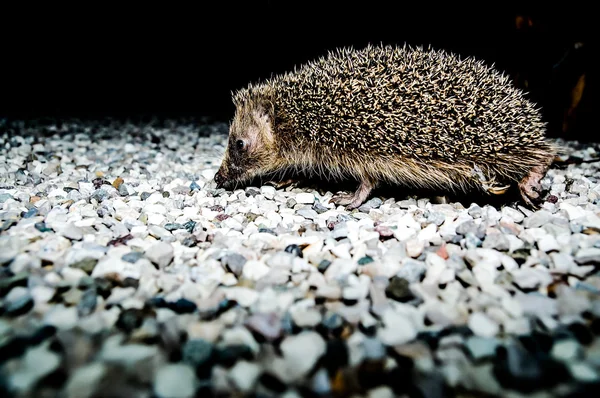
<point x="92" y="61"/>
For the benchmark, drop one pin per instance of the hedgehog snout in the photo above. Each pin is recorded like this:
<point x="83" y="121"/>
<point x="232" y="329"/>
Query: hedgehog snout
<point x="220" y="178"/>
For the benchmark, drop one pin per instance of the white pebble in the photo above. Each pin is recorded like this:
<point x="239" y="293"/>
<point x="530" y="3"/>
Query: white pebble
<point x="305" y="198"/>
<point x="482" y="325"/>
<point x="160" y="253"/>
<point x="301" y="352"/>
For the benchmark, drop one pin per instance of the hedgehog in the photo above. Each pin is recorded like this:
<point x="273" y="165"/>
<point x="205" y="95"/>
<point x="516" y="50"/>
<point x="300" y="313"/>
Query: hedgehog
<point x="420" y="118"/>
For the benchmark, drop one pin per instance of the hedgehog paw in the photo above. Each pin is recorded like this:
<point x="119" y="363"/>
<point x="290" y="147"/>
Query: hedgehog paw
<point x="352" y="201"/>
<point x="342" y="199"/>
<point x="530" y="186"/>
<point x="281" y="184"/>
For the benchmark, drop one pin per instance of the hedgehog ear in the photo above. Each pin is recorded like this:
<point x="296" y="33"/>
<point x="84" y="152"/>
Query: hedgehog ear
<point x="265" y="110"/>
<point x="263" y="115"/>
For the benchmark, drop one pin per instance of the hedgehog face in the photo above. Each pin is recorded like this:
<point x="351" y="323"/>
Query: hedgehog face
<point x="250" y="149"/>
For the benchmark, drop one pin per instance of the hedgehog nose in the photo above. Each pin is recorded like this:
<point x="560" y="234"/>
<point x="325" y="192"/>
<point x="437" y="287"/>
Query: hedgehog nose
<point x="219" y="179"/>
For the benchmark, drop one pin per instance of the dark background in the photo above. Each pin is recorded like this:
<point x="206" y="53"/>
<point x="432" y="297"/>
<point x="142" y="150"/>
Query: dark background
<point x="92" y="61"/>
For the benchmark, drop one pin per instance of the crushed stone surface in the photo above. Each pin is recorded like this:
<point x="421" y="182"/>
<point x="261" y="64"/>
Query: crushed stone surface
<point x="125" y="273"/>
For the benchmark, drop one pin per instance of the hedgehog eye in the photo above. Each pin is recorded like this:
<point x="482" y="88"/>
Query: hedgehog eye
<point x="240" y="144"/>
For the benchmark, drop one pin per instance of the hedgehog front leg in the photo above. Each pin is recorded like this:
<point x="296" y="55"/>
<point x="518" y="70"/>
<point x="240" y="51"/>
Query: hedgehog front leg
<point x="281" y="184"/>
<point x="357" y="198"/>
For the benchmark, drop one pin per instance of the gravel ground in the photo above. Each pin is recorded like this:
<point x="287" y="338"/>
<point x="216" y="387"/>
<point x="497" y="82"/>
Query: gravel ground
<point x="124" y="273"/>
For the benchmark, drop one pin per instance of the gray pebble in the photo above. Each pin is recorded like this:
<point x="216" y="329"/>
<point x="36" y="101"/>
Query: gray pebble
<point x="412" y="270"/>
<point x="496" y="241"/>
<point x="99" y="195"/>
<point x="234" y="262"/>
<point x="307" y="213"/>
<point x="132" y="257"/>
<point x="371" y="204"/>
<point x="537" y="219"/>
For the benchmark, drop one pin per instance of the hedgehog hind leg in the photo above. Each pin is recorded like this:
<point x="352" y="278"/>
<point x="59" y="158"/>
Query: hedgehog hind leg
<point x="354" y="200"/>
<point x="530" y="186"/>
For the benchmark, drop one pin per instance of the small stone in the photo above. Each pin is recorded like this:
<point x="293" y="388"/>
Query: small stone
<point x="548" y="243"/>
<point x="71" y="231"/>
<point x="301" y="352"/>
<point x="482" y="325"/>
<point x="531" y="278"/>
<point x="573" y="212"/>
<point x="588" y="255"/>
<point x="537" y="219"/>
<point x="513" y="214"/>
<point x="234" y="262"/>
<point x="242" y="295"/>
<point x="307" y="213"/>
<point x="566" y="350"/>
<point x="132" y="257"/>
<point x="175" y="381"/>
<point x="41" y="226"/>
<point x="475" y="211"/>
<point x="306" y="317"/>
<point x="496" y="241"/>
<point x="365" y="260"/>
<point x="87" y="265"/>
<point x="412" y="271"/>
<point x="374" y="349"/>
<point x="255" y="270"/>
<point x="130" y="319"/>
<point x="99" y="195"/>
<point x="399" y="290"/>
<point x="266" y="325"/>
<point x="5" y="196"/>
<point x="18" y="302"/>
<point x="268" y="191"/>
<point x="244" y="375"/>
<point x="295" y="250"/>
<point x="583" y="373"/>
<point x="173" y="226"/>
<point x="323" y="265"/>
<point x="333" y="322"/>
<point x="197" y="352"/>
<point x="384" y="232"/>
<point x="414" y="247"/>
<point x="321" y="384"/>
<point x="305" y="198"/>
<point x="397" y="328"/>
<point x="189" y="226"/>
<point x="160" y="253"/>
<point x="183" y="306"/>
<point x="371" y="204"/>
<point x="319" y="208"/>
<point x="85" y="380"/>
<point x="123" y="190"/>
<point x="87" y="304"/>
<point x="30" y="213"/>
<point x="481" y="347"/>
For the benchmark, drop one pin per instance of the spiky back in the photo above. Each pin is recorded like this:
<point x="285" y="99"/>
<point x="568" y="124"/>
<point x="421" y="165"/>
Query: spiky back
<point x="421" y="104"/>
